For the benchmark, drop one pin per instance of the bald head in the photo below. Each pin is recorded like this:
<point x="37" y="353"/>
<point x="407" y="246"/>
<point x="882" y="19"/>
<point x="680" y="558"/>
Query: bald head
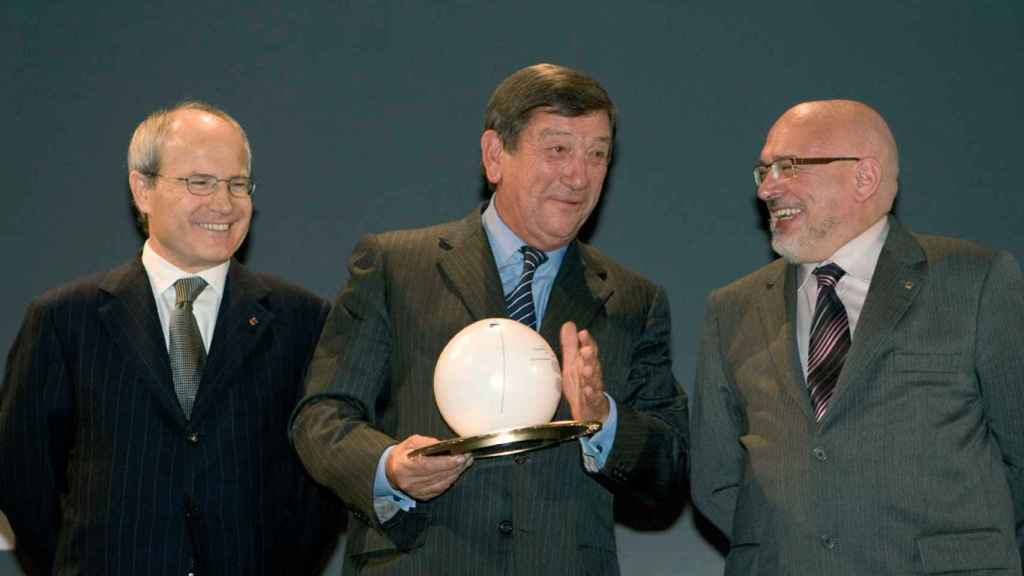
<point x="843" y="179"/>
<point x="847" y="128"/>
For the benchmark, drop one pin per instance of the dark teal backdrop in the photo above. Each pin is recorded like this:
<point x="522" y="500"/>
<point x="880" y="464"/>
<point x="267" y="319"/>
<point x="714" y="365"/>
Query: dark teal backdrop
<point x="365" y="116"/>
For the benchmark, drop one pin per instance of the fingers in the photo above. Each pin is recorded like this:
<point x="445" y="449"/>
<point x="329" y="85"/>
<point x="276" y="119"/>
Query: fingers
<point x="423" y="477"/>
<point x="586" y="368"/>
<point x="582" y="378"/>
<point x="570" y="366"/>
<point x="590" y="364"/>
<point x="586" y="340"/>
<point x="570" y="343"/>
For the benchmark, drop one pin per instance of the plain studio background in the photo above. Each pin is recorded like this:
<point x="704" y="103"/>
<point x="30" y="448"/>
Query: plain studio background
<point x="366" y="117"/>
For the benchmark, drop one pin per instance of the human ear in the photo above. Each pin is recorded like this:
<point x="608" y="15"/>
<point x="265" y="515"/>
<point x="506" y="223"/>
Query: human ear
<point x="491" y="151"/>
<point x="868" y="178"/>
<point x="139" y="184"/>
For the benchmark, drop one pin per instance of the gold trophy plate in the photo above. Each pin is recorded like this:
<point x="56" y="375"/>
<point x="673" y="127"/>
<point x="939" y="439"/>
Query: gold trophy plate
<point x="511" y="440"/>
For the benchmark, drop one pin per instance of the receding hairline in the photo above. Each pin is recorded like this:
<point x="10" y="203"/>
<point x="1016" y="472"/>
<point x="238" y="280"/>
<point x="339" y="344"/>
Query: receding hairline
<point x="176" y="120"/>
<point x="159" y="126"/>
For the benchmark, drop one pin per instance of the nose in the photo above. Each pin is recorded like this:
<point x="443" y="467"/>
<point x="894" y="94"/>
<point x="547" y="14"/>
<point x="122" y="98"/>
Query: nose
<point x="220" y="198"/>
<point x="768" y="189"/>
<point x="574" y="172"/>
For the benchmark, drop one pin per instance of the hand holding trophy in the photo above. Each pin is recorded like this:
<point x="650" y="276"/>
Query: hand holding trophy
<point x="497" y="384"/>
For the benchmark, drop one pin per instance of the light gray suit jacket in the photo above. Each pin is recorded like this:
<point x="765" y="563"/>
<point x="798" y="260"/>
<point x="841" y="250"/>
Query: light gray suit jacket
<point x="370" y="384"/>
<point x="916" y="468"/>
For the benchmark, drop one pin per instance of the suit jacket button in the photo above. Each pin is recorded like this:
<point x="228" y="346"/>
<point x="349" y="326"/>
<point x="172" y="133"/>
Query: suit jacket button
<point x="522" y="458"/>
<point x="828" y="542"/>
<point x="820" y="454"/>
<point x="505" y="527"/>
<point x="192" y="437"/>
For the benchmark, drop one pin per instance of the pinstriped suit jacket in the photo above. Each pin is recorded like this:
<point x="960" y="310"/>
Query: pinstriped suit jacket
<point x="916" y="468"/>
<point x="101" y="472"/>
<point x="370" y="384"/>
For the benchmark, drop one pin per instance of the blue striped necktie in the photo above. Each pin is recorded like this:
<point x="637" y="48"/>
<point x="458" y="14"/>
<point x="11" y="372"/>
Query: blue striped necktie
<point x="830" y="339"/>
<point x="519" y="303"/>
<point x="186" y="349"/>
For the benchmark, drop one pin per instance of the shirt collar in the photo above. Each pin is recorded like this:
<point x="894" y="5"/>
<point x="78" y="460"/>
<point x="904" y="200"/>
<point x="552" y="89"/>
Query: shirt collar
<point x="162" y="274"/>
<point x="505" y="243"/>
<point x="857" y="257"/>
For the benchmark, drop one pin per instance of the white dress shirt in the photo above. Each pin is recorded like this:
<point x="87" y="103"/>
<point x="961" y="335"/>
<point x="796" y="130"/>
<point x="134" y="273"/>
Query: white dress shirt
<point x="162" y="276"/>
<point x="858" y="258"/>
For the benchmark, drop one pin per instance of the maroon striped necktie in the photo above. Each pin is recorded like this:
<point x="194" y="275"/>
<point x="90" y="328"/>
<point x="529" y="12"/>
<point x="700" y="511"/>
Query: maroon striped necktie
<point x="830" y="339"/>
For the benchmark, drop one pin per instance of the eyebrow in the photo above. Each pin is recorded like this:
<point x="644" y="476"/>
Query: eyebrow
<point x="205" y="175"/>
<point x="555" y="132"/>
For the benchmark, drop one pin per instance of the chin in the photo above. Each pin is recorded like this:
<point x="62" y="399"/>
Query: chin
<point x="788" y="251"/>
<point x="215" y="257"/>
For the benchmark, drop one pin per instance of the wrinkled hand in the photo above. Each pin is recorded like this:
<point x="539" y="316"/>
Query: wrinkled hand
<point x="423" y="477"/>
<point x="582" y="381"/>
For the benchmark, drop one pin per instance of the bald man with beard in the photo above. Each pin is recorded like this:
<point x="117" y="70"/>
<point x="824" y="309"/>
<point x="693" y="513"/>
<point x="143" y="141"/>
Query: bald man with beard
<point x="858" y="402"/>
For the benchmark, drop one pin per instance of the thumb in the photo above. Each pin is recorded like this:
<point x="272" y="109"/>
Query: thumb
<point x="417" y="441"/>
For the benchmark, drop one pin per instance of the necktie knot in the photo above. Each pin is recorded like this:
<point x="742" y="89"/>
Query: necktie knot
<point x="829" y="275"/>
<point x="186" y="290"/>
<point x="532" y="257"/>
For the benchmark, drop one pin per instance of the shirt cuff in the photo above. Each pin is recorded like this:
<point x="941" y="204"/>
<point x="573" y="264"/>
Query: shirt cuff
<point x="596" y="448"/>
<point x="387" y="501"/>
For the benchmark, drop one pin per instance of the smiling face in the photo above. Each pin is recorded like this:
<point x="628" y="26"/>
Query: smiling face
<point x="195" y="232"/>
<point x="806" y="209"/>
<point x="816" y="210"/>
<point x="546" y="189"/>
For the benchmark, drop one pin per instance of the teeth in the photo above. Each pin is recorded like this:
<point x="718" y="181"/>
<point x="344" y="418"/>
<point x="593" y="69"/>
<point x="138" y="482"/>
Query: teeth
<point x="214" y="227"/>
<point x="783" y="213"/>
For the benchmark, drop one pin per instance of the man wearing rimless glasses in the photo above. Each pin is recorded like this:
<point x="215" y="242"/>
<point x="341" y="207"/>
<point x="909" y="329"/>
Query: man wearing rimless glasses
<point x="143" y="409"/>
<point x="858" y="402"/>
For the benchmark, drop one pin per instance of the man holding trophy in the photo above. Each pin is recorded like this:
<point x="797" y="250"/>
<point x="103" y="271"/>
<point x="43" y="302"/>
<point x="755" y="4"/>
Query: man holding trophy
<point x="369" y="418"/>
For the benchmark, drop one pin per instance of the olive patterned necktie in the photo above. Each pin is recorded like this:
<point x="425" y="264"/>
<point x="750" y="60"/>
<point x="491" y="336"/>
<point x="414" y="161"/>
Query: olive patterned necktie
<point x="188" y="355"/>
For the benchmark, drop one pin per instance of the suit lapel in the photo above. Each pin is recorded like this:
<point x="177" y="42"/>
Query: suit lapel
<point x="579" y="291"/>
<point x="778" y="319"/>
<point x="899" y="275"/>
<point x="467" y="264"/>
<point x="242" y="320"/>
<point x="130" y="316"/>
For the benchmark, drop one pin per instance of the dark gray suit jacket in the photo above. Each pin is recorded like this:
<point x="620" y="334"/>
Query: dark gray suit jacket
<point x="916" y="468"/>
<point x="370" y="383"/>
<point x="102" y="474"/>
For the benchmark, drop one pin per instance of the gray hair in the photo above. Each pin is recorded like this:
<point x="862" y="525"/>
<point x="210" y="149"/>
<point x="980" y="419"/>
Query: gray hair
<point x="148" y="140"/>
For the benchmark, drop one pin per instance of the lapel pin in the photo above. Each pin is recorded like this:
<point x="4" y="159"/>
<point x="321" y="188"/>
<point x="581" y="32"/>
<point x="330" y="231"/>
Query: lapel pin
<point x="908" y="284"/>
<point x="253" y="321"/>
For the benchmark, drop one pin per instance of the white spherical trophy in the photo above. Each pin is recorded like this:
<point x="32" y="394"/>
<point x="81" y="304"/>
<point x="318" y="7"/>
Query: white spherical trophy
<point x="497" y="384"/>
